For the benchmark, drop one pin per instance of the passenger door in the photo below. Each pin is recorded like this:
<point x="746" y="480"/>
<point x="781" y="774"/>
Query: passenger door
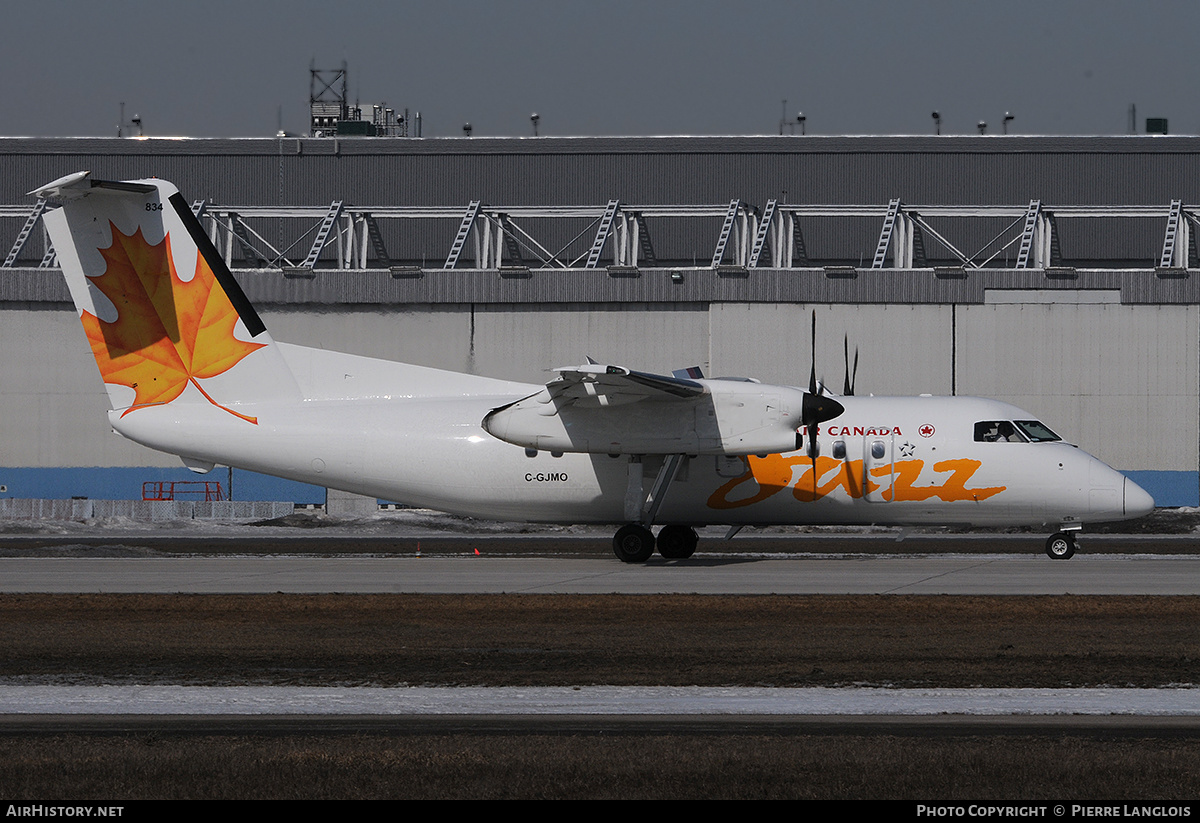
<point x="878" y="468"/>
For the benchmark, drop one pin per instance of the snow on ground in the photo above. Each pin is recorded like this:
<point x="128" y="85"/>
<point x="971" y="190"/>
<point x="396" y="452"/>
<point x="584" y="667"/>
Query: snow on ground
<point x="411" y="522"/>
<point x="422" y="522"/>
<point x="586" y="700"/>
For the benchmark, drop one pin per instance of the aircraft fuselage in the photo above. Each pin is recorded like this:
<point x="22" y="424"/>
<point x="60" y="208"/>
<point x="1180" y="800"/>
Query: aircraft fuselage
<point x="886" y="460"/>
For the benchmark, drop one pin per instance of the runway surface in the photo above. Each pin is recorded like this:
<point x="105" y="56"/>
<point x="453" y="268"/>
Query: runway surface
<point x="965" y="574"/>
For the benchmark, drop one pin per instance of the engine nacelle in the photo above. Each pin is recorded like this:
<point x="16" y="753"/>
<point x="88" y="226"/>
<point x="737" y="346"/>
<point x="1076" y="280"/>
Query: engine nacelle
<point x="724" y="417"/>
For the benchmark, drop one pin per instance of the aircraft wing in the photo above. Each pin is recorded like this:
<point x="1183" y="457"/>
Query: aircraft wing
<point x="599" y="408"/>
<point x="603" y="385"/>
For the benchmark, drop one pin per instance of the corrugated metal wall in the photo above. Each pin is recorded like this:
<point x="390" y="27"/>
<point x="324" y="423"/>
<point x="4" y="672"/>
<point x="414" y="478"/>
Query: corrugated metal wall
<point x="668" y="170"/>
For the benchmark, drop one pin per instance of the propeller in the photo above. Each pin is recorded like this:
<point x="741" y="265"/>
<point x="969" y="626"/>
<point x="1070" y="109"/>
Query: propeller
<point x="812" y="375"/>
<point x="851" y="376"/>
<point x="818" y="406"/>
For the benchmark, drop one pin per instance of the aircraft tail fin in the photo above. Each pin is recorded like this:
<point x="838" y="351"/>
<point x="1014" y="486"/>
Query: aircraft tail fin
<point x="166" y="320"/>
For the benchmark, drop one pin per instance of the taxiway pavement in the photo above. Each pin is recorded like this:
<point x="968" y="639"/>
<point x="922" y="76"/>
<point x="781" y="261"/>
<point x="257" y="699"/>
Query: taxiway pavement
<point x="962" y="574"/>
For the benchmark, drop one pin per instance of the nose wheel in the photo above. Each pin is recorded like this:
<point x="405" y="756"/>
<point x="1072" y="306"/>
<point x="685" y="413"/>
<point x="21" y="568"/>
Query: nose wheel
<point x="1060" y="546"/>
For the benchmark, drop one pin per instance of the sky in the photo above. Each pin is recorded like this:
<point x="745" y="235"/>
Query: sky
<point x="240" y="68"/>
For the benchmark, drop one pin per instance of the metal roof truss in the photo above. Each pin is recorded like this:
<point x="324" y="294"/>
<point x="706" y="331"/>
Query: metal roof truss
<point x="490" y="237"/>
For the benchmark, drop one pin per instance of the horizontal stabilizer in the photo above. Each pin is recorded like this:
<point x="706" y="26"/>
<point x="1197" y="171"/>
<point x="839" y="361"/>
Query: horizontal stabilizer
<point x="80" y="183"/>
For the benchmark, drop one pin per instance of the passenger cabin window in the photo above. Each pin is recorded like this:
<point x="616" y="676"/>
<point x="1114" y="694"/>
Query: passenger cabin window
<point x="839" y="449"/>
<point x="998" y="431"/>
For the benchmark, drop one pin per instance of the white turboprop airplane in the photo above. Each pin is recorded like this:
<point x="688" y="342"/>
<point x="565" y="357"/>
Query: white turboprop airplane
<point x="191" y="370"/>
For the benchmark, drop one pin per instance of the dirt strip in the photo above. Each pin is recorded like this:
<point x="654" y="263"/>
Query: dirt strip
<point x="548" y="640"/>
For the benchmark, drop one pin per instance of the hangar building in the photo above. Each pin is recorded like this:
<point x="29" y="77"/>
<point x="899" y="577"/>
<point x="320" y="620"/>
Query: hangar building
<point x="1057" y="273"/>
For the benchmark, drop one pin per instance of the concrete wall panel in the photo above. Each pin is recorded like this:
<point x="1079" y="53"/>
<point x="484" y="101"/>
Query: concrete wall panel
<point x="53" y="406"/>
<point x="1121" y="381"/>
<point x="525" y="342"/>
<point x="435" y="336"/>
<point x="506" y="341"/>
<point x="902" y="349"/>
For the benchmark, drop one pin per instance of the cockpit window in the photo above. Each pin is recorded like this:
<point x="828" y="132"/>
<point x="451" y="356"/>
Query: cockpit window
<point x="1036" y="431"/>
<point x="998" y="431"/>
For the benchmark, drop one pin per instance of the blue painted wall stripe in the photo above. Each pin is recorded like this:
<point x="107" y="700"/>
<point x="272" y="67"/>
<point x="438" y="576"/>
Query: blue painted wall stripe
<point x="106" y="483"/>
<point x="1169" y="489"/>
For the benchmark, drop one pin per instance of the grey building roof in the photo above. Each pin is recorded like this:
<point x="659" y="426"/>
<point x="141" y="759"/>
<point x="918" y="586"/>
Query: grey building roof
<point x="550" y="171"/>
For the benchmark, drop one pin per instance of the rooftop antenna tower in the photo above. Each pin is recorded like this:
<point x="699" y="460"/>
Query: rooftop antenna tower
<point x="327" y="98"/>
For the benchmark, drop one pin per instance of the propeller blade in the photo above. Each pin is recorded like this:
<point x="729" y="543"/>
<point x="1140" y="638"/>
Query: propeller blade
<point x="818" y="406"/>
<point x="851" y="374"/>
<point x="812" y="375"/>
<point x="847" y="388"/>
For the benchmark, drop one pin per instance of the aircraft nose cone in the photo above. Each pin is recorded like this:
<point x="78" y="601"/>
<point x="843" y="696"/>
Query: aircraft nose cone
<point x="1138" y="501"/>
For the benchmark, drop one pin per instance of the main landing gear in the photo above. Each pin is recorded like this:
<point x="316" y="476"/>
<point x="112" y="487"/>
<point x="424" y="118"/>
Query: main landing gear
<point x="677" y="542"/>
<point x="1061" y="546"/>
<point x="635" y="543"/>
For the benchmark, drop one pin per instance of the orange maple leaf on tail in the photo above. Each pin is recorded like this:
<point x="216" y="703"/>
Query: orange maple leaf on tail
<point x="168" y="332"/>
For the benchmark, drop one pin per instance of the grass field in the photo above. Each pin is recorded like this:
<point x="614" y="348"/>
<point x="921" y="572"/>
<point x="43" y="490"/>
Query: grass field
<point x="551" y="640"/>
<point x="611" y="639"/>
<point x="598" y="766"/>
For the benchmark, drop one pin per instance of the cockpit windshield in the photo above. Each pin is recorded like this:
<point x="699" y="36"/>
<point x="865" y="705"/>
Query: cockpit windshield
<point x="997" y="431"/>
<point x="1007" y="431"/>
<point x="1036" y="431"/>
